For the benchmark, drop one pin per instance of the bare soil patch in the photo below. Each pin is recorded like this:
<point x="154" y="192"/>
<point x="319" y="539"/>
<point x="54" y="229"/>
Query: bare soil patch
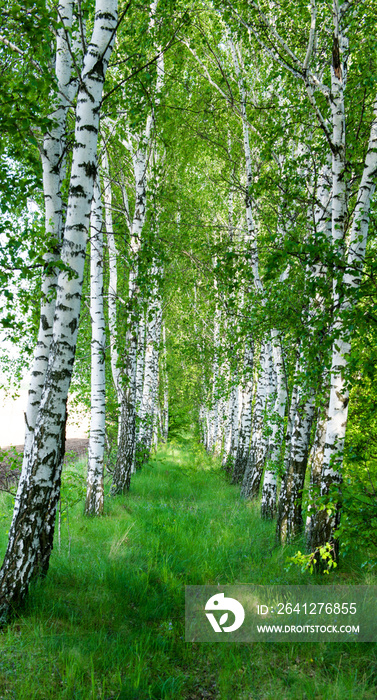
<point x="11" y="458"/>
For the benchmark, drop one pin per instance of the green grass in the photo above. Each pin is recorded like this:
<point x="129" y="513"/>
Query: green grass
<point x="108" y="622"/>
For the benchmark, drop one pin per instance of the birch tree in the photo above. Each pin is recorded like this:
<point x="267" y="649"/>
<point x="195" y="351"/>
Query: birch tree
<point x="151" y="365"/>
<point x="32" y="529"/>
<point x="95" y="493"/>
<point x="326" y="96"/>
<point x="53" y="157"/>
<point x="141" y="149"/>
<point x="269" y="491"/>
<point x="112" y="293"/>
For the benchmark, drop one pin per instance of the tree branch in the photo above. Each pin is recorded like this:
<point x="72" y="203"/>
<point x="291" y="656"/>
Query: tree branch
<point x="15" y="48"/>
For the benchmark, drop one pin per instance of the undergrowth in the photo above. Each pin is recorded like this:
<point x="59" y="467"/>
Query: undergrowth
<point x="108" y="621"/>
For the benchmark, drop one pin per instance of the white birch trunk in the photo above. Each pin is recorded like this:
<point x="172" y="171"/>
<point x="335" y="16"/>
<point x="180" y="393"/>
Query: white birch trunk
<point x="275" y="420"/>
<point x="151" y="424"/>
<point x="95" y="493"/>
<point x="202" y="407"/>
<point x="202" y="425"/>
<point x="251" y="232"/>
<point x="234" y="408"/>
<point x="214" y="410"/>
<point x="316" y="460"/>
<point x="246" y="415"/>
<point x="291" y="420"/>
<point x="290" y="521"/>
<point x="165" y="410"/>
<point x="228" y="429"/>
<point x="148" y="403"/>
<point x="258" y="447"/>
<point x="125" y="464"/>
<point x="53" y="168"/>
<point x="227" y="422"/>
<point x="112" y="292"/>
<point x="31" y="532"/>
<point x="323" y="524"/>
<point x="141" y="350"/>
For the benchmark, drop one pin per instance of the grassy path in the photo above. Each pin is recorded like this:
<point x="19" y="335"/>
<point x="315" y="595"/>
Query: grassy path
<point x="108" y="622"/>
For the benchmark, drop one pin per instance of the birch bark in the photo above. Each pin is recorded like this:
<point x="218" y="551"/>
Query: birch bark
<point x="246" y="415"/>
<point x="316" y="459"/>
<point x="275" y="409"/>
<point x="112" y="292"/>
<point x="125" y="464"/>
<point x="140" y="369"/>
<point x="214" y="409"/>
<point x="227" y="430"/>
<point x="148" y="403"/>
<point x="257" y="454"/>
<point x="290" y="520"/>
<point x="323" y="525"/>
<point x="31" y="532"/>
<point x="165" y="410"/>
<point x="151" y="390"/>
<point x="95" y="493"/>
<point x="53" y="168"/>
<point x="234" y="408"/>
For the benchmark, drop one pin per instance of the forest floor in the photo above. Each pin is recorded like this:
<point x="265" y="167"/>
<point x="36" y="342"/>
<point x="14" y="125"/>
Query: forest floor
<point x="108" y="621"/>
